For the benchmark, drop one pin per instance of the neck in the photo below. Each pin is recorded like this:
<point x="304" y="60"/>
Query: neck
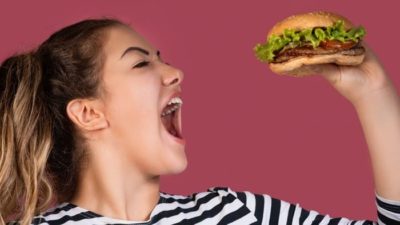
<point x="112" y="188"/>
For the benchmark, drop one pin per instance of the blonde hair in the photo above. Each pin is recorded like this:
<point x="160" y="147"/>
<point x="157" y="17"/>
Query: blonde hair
<point x="41" y="151"/>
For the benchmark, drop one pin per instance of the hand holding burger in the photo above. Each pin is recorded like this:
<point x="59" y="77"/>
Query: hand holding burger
<point x="327" y="44"/>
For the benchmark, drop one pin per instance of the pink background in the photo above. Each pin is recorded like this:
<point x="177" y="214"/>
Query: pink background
<point x="246" y="128"/>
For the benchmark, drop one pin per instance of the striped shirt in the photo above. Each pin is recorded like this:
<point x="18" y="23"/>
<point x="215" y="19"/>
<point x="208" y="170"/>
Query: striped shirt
<point x="219" y="205"/>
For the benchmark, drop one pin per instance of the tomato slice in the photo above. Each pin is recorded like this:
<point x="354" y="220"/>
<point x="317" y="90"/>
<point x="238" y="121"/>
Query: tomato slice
<point x="335" y="44"/>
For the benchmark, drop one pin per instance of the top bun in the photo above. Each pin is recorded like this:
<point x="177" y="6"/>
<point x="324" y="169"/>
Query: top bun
<point x="309" y="20"/>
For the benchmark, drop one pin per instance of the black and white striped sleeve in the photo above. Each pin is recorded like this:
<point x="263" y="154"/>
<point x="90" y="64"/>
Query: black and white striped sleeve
<point x="269" y="210"/>
<point x="388" y="211"/>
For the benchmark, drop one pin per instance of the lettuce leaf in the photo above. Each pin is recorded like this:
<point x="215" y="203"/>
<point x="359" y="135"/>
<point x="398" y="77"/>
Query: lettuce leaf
<point x="293" y="38"/>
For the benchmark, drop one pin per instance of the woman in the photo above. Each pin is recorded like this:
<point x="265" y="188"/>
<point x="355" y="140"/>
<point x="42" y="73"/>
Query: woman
<point x="84" y="122"/>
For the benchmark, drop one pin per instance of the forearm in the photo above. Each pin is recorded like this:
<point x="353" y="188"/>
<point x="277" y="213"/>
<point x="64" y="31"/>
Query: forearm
<point x="379" y="114"/>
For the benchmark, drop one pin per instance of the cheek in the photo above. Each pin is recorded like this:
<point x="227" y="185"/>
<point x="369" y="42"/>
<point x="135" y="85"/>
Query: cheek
<point x="133" y="111"/>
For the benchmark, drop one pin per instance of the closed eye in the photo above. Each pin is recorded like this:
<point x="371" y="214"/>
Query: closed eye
<point x="141" y="64"/>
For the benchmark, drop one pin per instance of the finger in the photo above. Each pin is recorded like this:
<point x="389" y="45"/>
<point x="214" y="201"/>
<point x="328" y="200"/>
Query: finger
<point x="329" y="71"/>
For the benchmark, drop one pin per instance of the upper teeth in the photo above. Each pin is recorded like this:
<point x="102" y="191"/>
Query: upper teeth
<point x="174" y="100"/>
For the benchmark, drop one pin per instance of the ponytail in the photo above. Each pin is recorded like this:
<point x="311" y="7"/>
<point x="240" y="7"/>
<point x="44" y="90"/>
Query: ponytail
<point x="25" y="139"/>
<point x="41" y="152"/>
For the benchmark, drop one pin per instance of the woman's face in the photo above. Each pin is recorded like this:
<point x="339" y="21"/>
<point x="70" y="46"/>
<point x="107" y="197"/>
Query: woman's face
<point x="138" y="85"/>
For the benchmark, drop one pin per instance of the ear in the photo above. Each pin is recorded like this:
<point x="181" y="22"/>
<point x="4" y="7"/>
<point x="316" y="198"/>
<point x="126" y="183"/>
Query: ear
<point x="86" y="114"/>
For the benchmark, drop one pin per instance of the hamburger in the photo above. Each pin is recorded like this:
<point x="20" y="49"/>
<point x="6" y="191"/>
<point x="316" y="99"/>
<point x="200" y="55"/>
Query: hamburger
<point x="295" y="45"/>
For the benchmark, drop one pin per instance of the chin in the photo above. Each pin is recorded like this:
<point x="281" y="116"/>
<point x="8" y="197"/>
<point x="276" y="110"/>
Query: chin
<point x="178" y="167"/>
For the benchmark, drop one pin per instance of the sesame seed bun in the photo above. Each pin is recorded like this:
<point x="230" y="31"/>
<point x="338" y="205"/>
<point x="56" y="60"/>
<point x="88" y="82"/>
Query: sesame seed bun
<point x="309" y="20"/>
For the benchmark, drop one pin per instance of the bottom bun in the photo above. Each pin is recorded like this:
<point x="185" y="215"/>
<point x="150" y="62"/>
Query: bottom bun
<point x="308" y="65"/>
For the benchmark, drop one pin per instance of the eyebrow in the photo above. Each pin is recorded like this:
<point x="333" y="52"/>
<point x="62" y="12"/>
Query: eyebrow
<point x="144" y="51"/>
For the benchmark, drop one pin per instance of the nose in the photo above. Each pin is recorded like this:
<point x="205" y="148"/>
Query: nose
<point x="172" y="76"/>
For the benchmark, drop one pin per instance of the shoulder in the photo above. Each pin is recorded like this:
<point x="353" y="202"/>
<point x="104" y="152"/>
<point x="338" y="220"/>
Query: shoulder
<point x="226" y="194"/>
<point x="213" y="206"/>
<point x="221" y="193"/>
<point x="58" y="214"/>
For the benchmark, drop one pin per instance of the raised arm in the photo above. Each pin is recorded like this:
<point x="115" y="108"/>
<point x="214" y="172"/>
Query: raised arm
<point x="377" y="103"/>
<point x="379" y="113"/>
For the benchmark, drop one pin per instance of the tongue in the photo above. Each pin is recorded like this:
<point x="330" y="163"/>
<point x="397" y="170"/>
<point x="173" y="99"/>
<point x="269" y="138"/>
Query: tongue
<point x="168" y="123"/>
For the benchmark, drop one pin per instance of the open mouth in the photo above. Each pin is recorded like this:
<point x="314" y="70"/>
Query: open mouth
<point x="170" y="120"/>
